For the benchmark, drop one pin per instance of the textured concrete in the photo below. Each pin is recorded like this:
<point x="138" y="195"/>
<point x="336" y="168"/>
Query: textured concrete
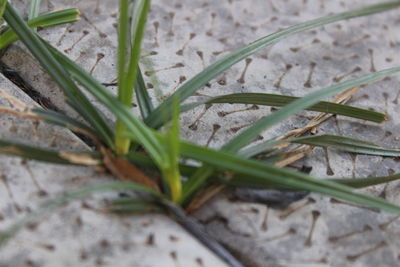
<point x="185" y="36"/>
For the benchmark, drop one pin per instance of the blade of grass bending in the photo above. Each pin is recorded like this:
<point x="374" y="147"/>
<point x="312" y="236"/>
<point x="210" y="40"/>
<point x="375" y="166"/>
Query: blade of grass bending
<point x="14" y="148"/>
<point x="142" y="134"/>
<point x="142" y="95"/>
<point x="249" y="134"/>
<point x="329" y="141"/>
<point x="282" y="100"/>
<point x="347" y="144"/>
<point x="52" y="205"/>
<point x="45" y="20"/>
<point x="128" y="65"/>
<point x="270" y="174"/>
<point x="221" y="65"/>
<point x="338" y="142"/>
<point x="60" y="76"/>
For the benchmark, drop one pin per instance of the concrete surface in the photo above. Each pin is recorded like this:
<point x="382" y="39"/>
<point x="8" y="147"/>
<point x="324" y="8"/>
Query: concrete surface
<point x="182" y="38"/>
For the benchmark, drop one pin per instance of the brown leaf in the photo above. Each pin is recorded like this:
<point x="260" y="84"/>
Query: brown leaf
<point x="126" y="171"/>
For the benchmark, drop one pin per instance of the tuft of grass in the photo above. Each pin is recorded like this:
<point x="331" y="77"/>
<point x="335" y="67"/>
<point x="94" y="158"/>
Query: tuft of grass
<point x="131" y="146"/>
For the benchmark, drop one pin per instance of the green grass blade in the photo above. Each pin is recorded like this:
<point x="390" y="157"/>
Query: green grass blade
<point x="45" y="20"/>
<point x="128" y="60"/>
<point x="132" y="205"/>
<point x="221" y="65"/>
<point x="2" y="8"/>
<point x="260" y="148"/>
<point x="282" y="100"/>
<point x="14" y="148"/>
<point x="139" y="17"/>
<point x="365" y="182"/>
<point x="253" y="131"/>
<point x="171" y="173"/>
<point x="143" y="98"/>
<point x="338" y="142"/>
<point x="145" y="162"/>
<point x="59" y="74"/>
<point x="54" y="18"/>
<point x="34" y="9"/>
<point x="251" y="182"/>
<point x="347" y="144"/>
<point x="53" y="205"/>
<point x="123" y="38"/>
<point x="269" y="174"/>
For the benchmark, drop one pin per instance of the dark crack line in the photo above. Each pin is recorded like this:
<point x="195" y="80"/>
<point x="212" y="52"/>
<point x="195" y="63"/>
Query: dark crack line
<point x="14" y="77"/>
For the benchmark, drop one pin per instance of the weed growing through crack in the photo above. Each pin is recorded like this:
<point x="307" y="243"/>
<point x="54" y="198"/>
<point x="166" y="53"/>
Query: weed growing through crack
<point x="119" y="147"/>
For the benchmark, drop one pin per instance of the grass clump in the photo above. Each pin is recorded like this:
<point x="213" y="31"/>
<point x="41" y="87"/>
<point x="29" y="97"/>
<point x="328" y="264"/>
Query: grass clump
<point x="132" y="146"/>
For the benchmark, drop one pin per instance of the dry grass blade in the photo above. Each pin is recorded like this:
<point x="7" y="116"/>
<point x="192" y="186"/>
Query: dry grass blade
<point x="203" y="196"/>
<point x="22" y="114"/>
<point x="294" y="155"/>
<point x="80" y="159"/>
<point x="301" y="151"/>
<point x="22" y="110"/>
<point x="341" y="98"/>
<point x="18" y="108"/>
<point x="13" y="101"/>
